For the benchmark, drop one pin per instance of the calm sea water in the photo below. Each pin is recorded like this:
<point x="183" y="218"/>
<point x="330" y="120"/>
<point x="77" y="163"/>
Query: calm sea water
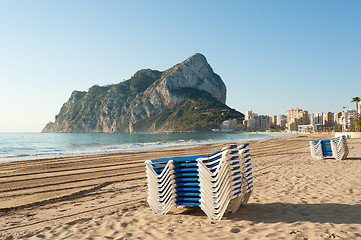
<point x="23" y="146"/>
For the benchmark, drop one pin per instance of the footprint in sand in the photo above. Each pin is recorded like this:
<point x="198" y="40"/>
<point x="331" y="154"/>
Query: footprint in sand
<point x="332" y="235"/>
<point x="40" y="236"/>
<point x="295" y="232"/>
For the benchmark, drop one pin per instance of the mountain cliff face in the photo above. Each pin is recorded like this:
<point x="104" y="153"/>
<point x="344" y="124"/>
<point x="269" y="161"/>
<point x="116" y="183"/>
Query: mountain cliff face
<point x="187" y="97"/>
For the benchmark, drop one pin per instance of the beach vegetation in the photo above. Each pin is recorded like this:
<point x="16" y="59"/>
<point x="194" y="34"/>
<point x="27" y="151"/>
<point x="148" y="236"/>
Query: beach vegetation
<point x="336" y="128"/>
<point x="356" y="100"/>
<point x="358" y="124"/>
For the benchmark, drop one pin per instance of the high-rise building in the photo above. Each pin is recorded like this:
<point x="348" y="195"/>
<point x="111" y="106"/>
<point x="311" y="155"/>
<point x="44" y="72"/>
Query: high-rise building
<point x="265" y="122"/>
<point x="282" y="120"/>
<point x="296" y="117"/>
<point x="347" y="118"/>
<point x="328" y="119"/>
<point x="273" y="120"/>
<point x="229" y="125"/>
<point x="256" y="122"/>
<point x="248" y="115"/>
<point x="337" y="118"/>
<point x="322" y="121"/>
<point x="317" y="118"/>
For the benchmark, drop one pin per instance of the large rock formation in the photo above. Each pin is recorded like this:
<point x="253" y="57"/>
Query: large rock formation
<point x="186" y="97"/>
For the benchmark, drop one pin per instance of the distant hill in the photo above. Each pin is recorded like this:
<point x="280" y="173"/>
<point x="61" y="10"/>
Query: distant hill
<point x="188" y="97"/>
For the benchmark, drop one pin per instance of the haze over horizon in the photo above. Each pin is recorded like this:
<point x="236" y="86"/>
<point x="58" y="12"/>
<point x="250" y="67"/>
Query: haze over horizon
<point x="272" y="55"/>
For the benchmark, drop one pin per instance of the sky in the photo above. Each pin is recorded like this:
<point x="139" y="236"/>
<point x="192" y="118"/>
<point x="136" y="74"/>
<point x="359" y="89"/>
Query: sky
<point x="272" y="55"/>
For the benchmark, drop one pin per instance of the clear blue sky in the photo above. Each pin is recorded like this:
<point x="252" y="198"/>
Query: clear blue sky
<point x="272" y="55"/>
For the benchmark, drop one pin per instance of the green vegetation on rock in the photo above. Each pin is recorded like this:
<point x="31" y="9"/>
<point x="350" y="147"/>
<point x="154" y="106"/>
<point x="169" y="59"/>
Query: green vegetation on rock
<point x="199" y="113"/>
<point x="189" y="97"/>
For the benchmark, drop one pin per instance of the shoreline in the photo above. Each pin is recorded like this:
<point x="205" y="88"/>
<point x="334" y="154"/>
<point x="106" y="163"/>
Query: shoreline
<point x="129" y="147"/>
<point x="93" y="197"/>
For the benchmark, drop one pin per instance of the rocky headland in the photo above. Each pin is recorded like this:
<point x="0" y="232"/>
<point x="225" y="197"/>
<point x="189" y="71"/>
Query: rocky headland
<point x="189" y="97"/>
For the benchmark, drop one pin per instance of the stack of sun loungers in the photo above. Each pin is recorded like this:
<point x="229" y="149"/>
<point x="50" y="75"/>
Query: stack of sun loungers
<point x="216" y="183"/>
<point x="336" y="148"/>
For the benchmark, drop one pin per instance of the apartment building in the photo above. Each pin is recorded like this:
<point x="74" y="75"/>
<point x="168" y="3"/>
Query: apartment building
<point x="296" y="117"/>
<point x="327" y="119"/>
<point x="256" y="122"/>
<point x="282" y="120"/>
<point x="337" y="118"/>
<point x="273" y="120"/>
<point x="347" y="118"/>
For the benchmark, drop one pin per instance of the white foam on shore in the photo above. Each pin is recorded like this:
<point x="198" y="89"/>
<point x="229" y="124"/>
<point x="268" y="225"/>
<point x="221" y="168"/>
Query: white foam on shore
<point x="28" y="153"/>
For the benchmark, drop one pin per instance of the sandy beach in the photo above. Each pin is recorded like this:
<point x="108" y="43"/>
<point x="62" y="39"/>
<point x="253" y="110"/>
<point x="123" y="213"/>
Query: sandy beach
<point x="104" y="197"/>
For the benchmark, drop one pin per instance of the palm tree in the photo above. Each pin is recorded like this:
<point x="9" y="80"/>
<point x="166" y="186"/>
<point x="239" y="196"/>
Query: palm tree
<point x="356" y="100"/>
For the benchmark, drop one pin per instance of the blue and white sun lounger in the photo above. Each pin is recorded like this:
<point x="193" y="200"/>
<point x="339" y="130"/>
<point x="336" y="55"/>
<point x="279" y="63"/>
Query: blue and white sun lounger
<point x="336" y="148"/>
<point x="217" y="182"/>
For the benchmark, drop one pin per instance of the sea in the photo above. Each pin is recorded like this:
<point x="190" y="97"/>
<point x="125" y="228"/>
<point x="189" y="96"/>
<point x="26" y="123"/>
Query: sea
<point x="25" y="146"/>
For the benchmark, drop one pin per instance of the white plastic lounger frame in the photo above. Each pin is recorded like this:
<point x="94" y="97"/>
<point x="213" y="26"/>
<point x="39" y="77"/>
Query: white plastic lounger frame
<point x="161" y="188"/>
<point x="225" y="181"/>
<point x="247" y="180"/>
<point x="220" y="186"/>
<point x="339" y="148"/>
<point x="316" y="150"/>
